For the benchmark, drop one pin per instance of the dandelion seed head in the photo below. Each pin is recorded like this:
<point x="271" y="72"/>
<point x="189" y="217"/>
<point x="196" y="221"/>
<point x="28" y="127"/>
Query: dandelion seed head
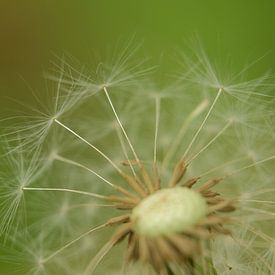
<point x="183" y="174"/>
<point x="168" y="211"/>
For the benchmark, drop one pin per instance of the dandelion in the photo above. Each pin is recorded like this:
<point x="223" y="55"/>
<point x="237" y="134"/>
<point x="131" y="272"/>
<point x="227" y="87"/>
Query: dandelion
<point x="177" y="180"/>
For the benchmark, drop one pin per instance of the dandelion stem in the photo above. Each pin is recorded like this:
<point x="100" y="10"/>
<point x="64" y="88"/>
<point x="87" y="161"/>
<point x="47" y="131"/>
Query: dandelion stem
<point x="155" y="166"/>
<point x="88" y="143"/>
<point x="226" y="164"/>
<point x="117" y="188"/>
<point x="99" y="256"/>
<point x="257" y="201"/>
<point x="261" y="211"/>
<point x="89" y="205"/>
<point x="259" y="192"/>
<point x="156" y="128"/>
<point x="141" y="167"/>
<point x="60" y="158"/>
<point x="118" y="236"/>
<point x="125" y="151"/>
<point x="174" y="146"/>
<point x="210" y="142"/>
<point x="74" y="241"/>
<point x="65" y="190"/>
<point x="202" y="124"/>
<point x="251" y="165"/>
<point x="60" y="79"/>
<point x="120" y="124"/>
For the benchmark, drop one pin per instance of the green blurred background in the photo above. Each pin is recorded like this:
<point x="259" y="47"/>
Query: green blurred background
<point x="34" y="32"/>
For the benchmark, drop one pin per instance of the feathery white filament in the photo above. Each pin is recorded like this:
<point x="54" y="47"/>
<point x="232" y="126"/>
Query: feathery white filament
<point x="202" y="124"/>
<point x="88" y="143"/>
<point x="60" y="158"/>
<point x="64" y="190"/>
<point x="72" y="242"/>
<point x="120" y="124"/>
<point x="156" y="127"/>
<point x="210" y="142"/>
<point x="251" y="165"/>
<point x="178" y="139"/>
<point x="121" y="140"/>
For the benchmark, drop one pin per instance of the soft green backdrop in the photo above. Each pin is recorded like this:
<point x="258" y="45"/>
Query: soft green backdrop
<point x="33" y="32"/>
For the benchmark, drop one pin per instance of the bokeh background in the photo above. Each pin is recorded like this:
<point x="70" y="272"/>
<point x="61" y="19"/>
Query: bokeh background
<point x="33" y="33"/>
